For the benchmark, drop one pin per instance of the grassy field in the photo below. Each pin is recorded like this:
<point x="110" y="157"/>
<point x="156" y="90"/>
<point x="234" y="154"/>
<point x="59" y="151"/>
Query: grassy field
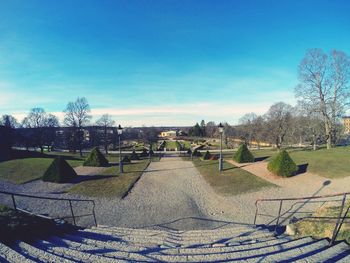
<point x="232" y="181"/>
<point x="321" y="228"/>
<point x="333" y="163"/>
<point x="111" y="183"/>
<point x="27" y="169"/>
<point x="170" y="145"/>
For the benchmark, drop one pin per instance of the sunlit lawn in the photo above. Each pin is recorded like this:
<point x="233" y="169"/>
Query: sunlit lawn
<point x="111" y="183"/>
<point x="27" y="169"/>
<point x="232" y="180"/>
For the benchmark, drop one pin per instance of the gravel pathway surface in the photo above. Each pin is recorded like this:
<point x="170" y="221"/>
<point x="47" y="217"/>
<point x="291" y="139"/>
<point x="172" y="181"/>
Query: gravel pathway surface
<point x="172" y="194"/>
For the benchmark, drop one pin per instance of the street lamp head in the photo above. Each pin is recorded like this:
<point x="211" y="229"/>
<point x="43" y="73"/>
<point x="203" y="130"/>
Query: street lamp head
<point x="221" y="128"/>
<point x="120" y="130"/>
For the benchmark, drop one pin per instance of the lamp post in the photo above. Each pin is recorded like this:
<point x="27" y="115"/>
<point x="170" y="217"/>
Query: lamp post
<point x="120" y="132"/>
<point x="221" y="130"/>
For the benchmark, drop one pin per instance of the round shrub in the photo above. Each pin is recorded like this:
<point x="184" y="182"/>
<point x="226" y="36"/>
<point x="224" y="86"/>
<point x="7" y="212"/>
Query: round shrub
<point x="95" y="158"/>
<point x="243" y="155"/>
<point x="134" y="156"/>
<point x="59" y="171"/>
<point x="207" y="155"/>
<point x="282" y="165"/>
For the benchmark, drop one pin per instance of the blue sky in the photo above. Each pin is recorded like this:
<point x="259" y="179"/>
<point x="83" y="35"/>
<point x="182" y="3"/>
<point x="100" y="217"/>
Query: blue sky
<point x="161" y="62"/>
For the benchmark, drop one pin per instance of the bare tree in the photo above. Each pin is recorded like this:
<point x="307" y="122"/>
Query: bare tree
<point x="106" y="122"/>
<point x="247" y="128"/>
<point x="279" y="119"/>
<point x="77" y="116"/>
<point x="42" y="124"/>
<point x="324" y="86"/>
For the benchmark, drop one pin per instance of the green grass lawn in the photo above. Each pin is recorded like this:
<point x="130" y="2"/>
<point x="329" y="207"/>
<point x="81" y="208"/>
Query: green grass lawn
<point x="333" y="163"/>
<point x="170" y="145"/>
<point x="111" y="183"/>
<point x="27" y="169"/>
<point x="323" y="228"/>
<point x="231" y="181"/>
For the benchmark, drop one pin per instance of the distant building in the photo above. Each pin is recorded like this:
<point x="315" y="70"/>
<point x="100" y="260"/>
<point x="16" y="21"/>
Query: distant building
<point x="346" y="123"/>
<point x="170" y="134"/>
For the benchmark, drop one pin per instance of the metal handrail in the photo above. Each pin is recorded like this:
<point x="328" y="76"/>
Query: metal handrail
<point x="69" y="200"/>
<point x="339" y="219"/>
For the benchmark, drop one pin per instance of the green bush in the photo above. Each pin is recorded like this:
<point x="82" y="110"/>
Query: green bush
<point x="282" y="165"/>
<point x="134" y="156"/>
<point x="126" y="159"/>
<point x="197" y="153"/>
<point x="95" y="158"/>
<point x="243" y="155"/>
<point x="59" y="171"/>
<point x="207" y="156"/>
<point x="144" y="153"/>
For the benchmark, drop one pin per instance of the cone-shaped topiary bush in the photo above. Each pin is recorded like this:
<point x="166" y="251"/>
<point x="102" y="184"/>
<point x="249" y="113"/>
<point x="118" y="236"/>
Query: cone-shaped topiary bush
<point x="95" y="158"/>
<point x="282" y="165"/>
<point x="134" y="156"/>
<point x="126" y="159"/>
<point x="207" y="155"/>
<point x="144" y="153"/>
<point x="59" y="171"/>
<point x="197" y="153"/>
<point x="243" y="155"/>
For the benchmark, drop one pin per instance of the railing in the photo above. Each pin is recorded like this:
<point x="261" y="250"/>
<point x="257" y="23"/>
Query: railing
<point x="69" y="200"/>
<point x="339" y="219"/>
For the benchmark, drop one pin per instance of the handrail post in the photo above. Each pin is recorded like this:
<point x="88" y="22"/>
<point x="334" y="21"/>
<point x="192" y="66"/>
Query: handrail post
<point x="336" y="230"/>
<point x="71" y="209"/>
<point x="14" y="202"/>
<point x="256" y="211"/>
<point x="279" y="214"/>
<point x="93" y="212"/>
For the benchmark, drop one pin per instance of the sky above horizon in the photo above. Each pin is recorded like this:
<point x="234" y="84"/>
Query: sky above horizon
<point x="161" y="63"/>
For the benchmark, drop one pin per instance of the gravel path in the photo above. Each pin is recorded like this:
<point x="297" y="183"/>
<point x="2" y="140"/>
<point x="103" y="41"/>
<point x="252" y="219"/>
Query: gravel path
<point x="172" y="190"/>
<point x="172" y="194"/>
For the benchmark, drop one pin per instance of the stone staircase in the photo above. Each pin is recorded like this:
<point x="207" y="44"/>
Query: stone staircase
<point x="247" y="243"/>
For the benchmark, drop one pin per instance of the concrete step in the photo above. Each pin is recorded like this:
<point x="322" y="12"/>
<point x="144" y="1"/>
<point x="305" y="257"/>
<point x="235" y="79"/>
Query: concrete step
<point x="7" y="254"/>
<point x="189" y="233"/>
<point x="331" y="254"/>
<point x="160" y="239"/>
<point x="293" y="254"/>
<point x="89" y="240"/>
<point x="41" y="255"/>
<point x="76" y="255"/>
<point x="248" y="254"/>
<point x="90" y="249"/>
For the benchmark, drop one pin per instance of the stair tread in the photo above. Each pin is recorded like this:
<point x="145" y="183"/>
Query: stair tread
<point x="11" y="255"/>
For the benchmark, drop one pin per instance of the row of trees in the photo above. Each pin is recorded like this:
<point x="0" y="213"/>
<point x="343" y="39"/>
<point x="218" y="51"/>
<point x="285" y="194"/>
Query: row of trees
<point x="323" y="96"/>
<point x="40" y="127"/>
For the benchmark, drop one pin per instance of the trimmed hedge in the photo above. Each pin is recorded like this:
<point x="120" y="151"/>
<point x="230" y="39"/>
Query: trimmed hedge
<point x="207" y="155"/>
<point x="197" y="153"/>
<point x="95" y="158"/>
<point x="243" y="155"/>
<point x="59" y="171"/>
<point x="282" y="165"/>
<point x="126" y="159"/>
<point x="134" y="156"/>
<point x="144" y="153"/>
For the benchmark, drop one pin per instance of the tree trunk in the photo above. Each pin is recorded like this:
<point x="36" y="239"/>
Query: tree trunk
<point x="328" y="135"/>
<point x="41" y="149"/>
